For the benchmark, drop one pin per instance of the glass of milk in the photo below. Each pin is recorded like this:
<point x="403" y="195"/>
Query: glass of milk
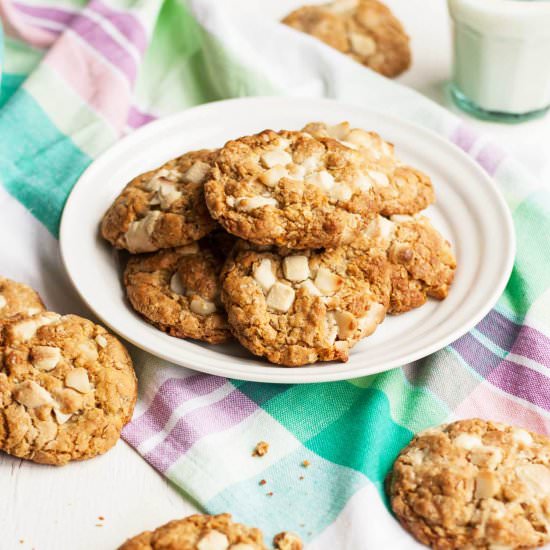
<point x="501" y="58"/>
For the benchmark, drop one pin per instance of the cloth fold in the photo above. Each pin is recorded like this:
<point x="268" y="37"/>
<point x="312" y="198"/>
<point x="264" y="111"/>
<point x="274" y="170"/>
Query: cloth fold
<point x="78" y="76"/>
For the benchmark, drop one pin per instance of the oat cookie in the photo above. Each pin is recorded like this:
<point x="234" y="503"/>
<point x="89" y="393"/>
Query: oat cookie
<point x="199" y="532"/>
<point x="177" y="290"/>
<point x="296" y="308"/>
<point x="402" y="189"/>
<point x="365" y="30"/>
<point x="421" y="260"/>
<point x="474" y="484"/>
<point x="67" y="387"/>
<point x="290" y="189"/>
<point x="287" y="541"/>
<point x="18" y="299"/>
<point x="162" y="208"/>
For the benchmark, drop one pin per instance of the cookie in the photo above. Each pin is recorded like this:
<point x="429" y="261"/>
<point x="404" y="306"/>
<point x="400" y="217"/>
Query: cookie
<point x="177" y="290"/>
<point x="162" y="208"/>
<point x="297" y="308"/>
<point x="18" y="299"/>
<point x="401" y="189"/>
<point x="290" y="189"/>
<point x="474" y="484"/>
<point x="365" y="30"/>
<point x="287" y="541"/>
<point x="67" y="387"/>
<point x="199" y="532"/>
<point x="421" y="260"/>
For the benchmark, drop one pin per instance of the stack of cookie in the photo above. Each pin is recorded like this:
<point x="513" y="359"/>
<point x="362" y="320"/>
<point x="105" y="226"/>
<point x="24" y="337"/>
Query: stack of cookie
<point x="295" y="242"/>
<point x="67" y="386"/>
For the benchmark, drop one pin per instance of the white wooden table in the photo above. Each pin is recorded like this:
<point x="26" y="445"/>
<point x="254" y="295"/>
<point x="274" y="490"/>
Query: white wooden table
<point x="60" y="508"/>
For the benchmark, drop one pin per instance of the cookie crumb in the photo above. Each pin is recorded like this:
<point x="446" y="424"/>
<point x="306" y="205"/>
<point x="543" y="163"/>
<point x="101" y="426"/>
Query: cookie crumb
<point x="99" y="524"/>
<point x="21" y="541"/>
<point x="261" y="448"/>
<point x="270" y="494"/>
<point x="301" y="477"/>
<point x="262" y="482"/>
<point x="100" y="518"/>
<point x="287" y="541"/>
<point x="306" y="463"/>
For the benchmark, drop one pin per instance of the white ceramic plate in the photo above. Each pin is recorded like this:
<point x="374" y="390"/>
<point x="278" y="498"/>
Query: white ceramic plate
<point x="469" y="212"/>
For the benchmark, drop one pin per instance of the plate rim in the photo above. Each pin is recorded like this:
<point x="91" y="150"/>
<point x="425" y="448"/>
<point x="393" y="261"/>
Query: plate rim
<point x="297" y="375"/>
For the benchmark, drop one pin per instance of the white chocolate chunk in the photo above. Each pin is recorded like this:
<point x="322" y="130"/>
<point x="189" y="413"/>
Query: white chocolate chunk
<point x="401" y="218"/>
<point x="3" y="301"/>
<point x="78" y="380"/>
<point x="263" y="275"/>
<point x="362" y="182"/>
<point x="416" y="456"/>
<point x="311" y="163"/>
<point x="362" y="44"/>
<point x="201" y="306"/>
<point x="487" y="485"/>
<point x="213" y="540"/>
<point x="101" y="341"/>
<point x="487" y="457"/>
<point x="310" y="287"/>
<point x="324" y="180"/>
<point x="296" y="268"/>
<point x="296" y="171"/>
<point x="138" y="236"/>
<point x="241" y="546"/>
<point x="276" y="157"/>
<point x="280" y="297"/>
<point x="230" y="201"/>
<point x="25" y="330"/>
<point x="341" y="192"/>
<point x="88" y="351"/>
<point x="61" y="417"/>
<point x="339" y="131"/>
<point x="522" y="437"/>
<point x="164" y="174"/>
<point x="175" y="284"/>
<point x="341" y="6"/>
<point x="360" y="138"/>
<point x="387" y="149"/>
<point x="369" y="322"/>
<point x="250" y="203"/>
<point x="188" y="249"/>
<point x="386" y="228"/>
<point x="32" y="395"/>
<point x="272" y="176"/>
<point x="468" y="442"/>
<point x="331" y="328"/>
<point x="45" y="357"/>
<point x="33" y="310"/>
<point x="168" y="195"/>
<point x="327" y="281"/>
<point x="154" y="200"/>
<point x="347" y="324"/>
<point x="198" y="172"/>
<point x="348" y="144"/>
<point x="536" y="477"/>
<point x="379" y="178"/>
<point x="283" y="143"/>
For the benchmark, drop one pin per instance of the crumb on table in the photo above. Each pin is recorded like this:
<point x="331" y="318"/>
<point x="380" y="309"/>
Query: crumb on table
<point x="261" y="449"/>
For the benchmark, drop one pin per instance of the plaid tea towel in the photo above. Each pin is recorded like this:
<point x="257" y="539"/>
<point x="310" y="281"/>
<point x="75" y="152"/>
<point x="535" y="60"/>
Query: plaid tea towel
<point x="78" y="75"/>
